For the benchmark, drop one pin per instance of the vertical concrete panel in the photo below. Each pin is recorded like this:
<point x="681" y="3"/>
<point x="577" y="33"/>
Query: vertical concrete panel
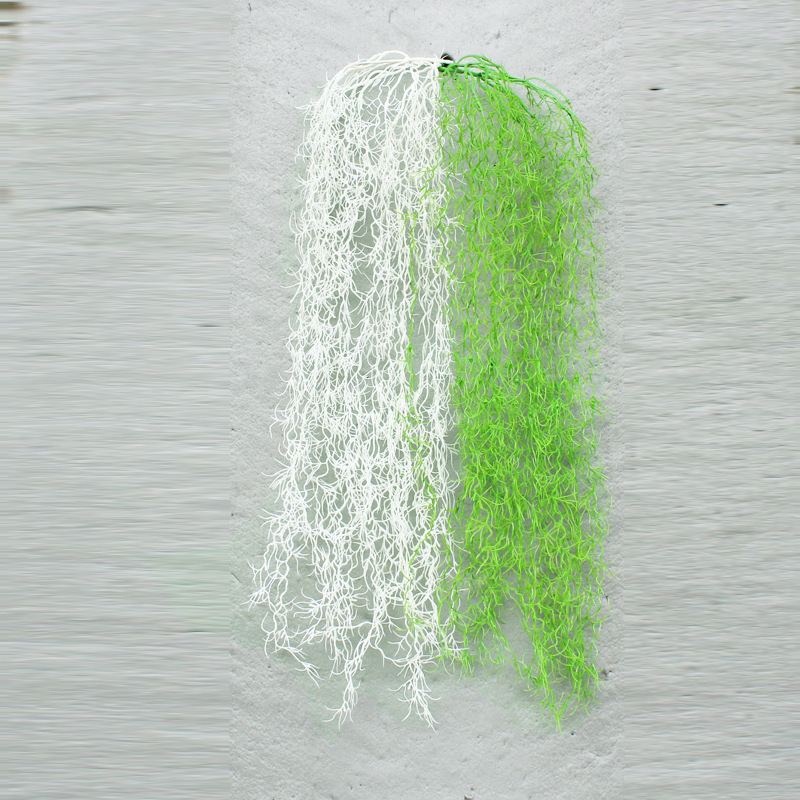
<point x="115" y="435"/>
<point x="711" y="400"/>
<point x="492" y="743"/>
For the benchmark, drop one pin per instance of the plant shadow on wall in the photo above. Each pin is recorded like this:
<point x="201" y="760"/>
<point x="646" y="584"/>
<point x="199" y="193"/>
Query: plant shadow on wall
<point x="439" y="481"/>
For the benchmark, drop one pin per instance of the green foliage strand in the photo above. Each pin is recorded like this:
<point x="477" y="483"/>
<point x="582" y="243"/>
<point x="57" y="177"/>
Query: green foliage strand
<point x="529" y="520"/>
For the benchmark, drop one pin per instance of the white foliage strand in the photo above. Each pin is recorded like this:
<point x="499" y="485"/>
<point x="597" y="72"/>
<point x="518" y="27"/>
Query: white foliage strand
<point x="367" y="479"/>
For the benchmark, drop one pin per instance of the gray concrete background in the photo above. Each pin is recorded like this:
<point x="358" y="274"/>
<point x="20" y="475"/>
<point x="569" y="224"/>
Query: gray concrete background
<point x="711" y="398"/>
<point x="115" y="470"/>
<point x="491" y="743"/>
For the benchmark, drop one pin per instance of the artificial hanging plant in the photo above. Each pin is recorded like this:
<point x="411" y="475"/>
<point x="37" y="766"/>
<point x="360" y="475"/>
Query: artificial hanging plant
<point x="440" y="424"/>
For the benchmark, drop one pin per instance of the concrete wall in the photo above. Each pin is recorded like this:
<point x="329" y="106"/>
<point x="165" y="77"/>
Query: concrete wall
<point x="114" y="276"/>
<point x="711" y="391"/>
<point x="491" y="743"/>
<point x="115" y="469"/>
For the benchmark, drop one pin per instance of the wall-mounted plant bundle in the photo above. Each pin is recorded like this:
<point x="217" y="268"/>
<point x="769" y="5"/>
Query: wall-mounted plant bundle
<point x="440" y="471"/>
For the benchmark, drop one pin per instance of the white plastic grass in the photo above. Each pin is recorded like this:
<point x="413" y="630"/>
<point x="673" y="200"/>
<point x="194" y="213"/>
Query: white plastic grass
<point x="356" y="554"/>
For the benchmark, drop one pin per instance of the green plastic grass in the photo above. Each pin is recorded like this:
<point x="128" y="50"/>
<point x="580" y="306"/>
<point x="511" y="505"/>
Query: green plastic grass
<point x="529" y="521"/>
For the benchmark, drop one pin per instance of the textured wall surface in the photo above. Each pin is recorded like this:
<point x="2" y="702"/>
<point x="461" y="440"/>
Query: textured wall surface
<point x="711" y="396"/>
<point x="115" y="468"/>
<point x="491" y="743"/>
<point x="115" y="440"/>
